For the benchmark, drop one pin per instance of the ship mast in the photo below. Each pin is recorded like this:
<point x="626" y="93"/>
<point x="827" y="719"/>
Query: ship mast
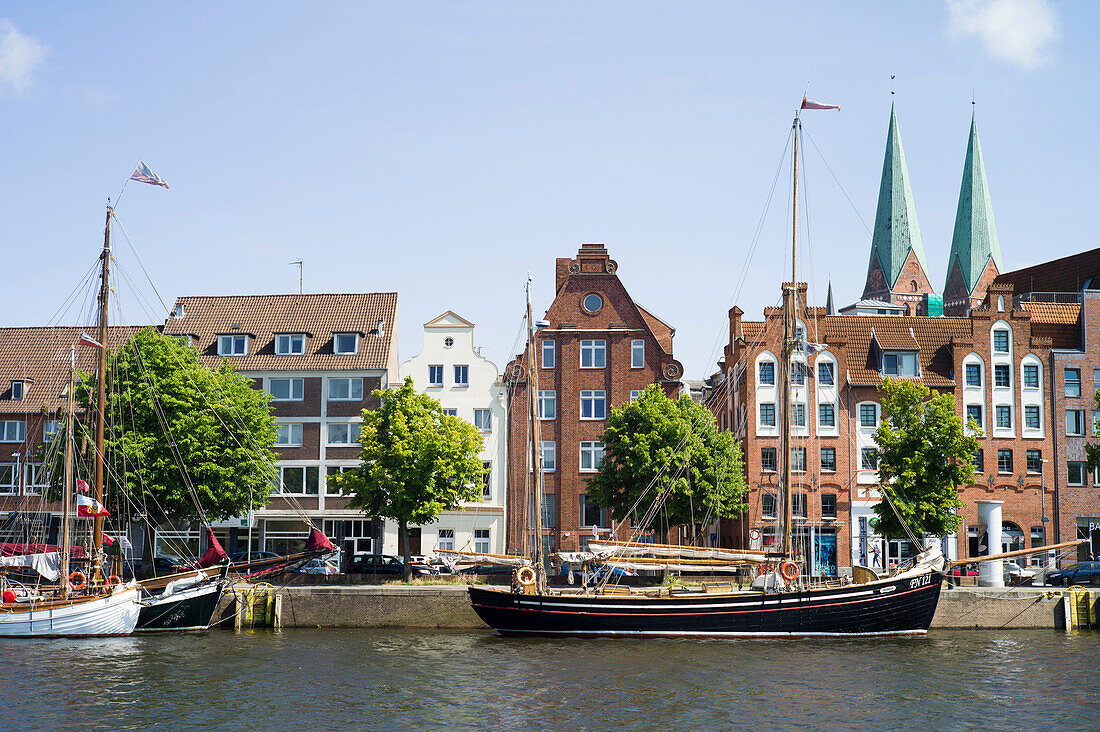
<point x="67" y="500"/>
<point x="101" y="401"/>
<point x="536" y="452"/>
<point x="790" y="345"/>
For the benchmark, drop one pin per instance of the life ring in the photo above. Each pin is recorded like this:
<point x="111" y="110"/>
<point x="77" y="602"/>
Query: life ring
<point x="72" y="580"/>
<point x="114" y="579"/>
<point x="525" y="576"/>
<point x="789" y="570"/>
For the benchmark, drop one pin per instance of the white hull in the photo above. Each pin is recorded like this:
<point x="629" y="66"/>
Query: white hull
<point x="113" y="615"/>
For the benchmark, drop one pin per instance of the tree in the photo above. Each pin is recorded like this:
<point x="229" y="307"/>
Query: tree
<point x="160" y="395"/>
<point x="416" y="462"/>
<point x="700" y="469"/>
<point x="924" y="455"/>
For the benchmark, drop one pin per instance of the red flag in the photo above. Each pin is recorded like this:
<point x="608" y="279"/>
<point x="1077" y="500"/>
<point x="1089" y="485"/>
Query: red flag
<point x="811" y="104"/>
<point x="81" y="486"/>
<point x="108" y="540"/>
<point x="89" y="507"/>
<point x="87" y="340"/>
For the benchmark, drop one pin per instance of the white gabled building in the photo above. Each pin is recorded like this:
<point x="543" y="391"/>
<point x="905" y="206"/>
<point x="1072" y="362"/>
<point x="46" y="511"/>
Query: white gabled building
<point x="466" y="383"/>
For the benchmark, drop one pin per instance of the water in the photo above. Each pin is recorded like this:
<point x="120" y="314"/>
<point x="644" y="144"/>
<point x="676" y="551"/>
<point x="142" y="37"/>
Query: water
<point x="358" y="679"/>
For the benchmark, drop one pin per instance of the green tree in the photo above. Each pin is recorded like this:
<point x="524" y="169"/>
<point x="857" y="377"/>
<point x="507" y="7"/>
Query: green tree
<point x="701" y="473"/>
<point x="924" y="455"/>
<point x="416" y="462"/>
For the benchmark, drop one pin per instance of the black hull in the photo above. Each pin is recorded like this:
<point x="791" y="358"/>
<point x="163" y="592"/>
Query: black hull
<point x="898" y="606"/>
<point x="193" y="610"/>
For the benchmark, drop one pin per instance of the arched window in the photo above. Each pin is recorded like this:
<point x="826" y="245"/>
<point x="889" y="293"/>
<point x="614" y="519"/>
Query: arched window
<point x="912" y="285"/>
<point x="1000" y="303"/>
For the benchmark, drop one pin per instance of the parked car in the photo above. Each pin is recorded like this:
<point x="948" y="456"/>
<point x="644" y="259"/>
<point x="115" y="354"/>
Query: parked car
<point x="242" y="557"/>
<point x="384" y="564"/>
<point x="318" y="566"/>
<point x="487" y="569"/>
<point x="1016" y="575"/>
<point x="1079" y="574"/>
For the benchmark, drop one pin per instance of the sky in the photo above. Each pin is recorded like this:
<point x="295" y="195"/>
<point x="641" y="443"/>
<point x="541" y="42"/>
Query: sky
<point x="444" y="150"/>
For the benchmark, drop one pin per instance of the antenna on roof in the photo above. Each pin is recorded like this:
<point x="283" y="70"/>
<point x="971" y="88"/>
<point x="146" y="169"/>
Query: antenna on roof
<point x="299" y="263"/>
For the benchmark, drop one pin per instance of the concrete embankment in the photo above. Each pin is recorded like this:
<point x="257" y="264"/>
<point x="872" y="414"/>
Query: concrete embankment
<point x="448" y="607"/>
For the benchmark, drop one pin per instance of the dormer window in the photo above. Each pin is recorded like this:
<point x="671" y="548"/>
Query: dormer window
<point x="290" y="344"/>
<point x="232" y="345"/>
<point x="177" y="312"/>
<point x="899" y="363"/>
<point x="17" y="388"/>
<point x="345" y="343"/>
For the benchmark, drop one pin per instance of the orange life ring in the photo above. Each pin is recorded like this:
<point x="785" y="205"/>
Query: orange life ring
<point x="525" y="576"/>
<point x="114" y="579"/>
<point x="789" y="570"/>
<point x="83" y="580"/>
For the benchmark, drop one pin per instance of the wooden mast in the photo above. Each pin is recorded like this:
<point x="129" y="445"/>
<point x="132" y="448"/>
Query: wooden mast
<point x="790" y="294"/>
<point x="101" y="402"/>
<point x="66" y="543"/>
<point x="536" y="452"/>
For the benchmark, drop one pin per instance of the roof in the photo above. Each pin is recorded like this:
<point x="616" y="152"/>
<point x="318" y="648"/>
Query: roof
<point x="902" y="340"/>
<point x="262" y="316"/>
<point x="1069" y="274"/>
<point x="932" y="335"/>
<point x="1058" y="321"/>
<point x="39" y="357"/>
<point x="974" y="242"/>
<point x="874" y="305"/>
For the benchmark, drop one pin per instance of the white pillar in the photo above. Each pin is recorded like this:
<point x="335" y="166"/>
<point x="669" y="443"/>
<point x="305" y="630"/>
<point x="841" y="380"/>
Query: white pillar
<point x="991" y="574"/>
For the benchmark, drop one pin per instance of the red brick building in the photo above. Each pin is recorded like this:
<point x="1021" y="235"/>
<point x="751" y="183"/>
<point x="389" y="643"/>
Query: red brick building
<point x="596" y="348"/>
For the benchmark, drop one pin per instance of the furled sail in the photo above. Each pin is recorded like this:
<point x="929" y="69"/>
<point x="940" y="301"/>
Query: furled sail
<point x="460" y="557"/>
<point x="621" y="549"/>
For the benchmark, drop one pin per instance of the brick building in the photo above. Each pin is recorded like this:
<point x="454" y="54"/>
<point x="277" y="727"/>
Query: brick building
<point x="596" y="348"/>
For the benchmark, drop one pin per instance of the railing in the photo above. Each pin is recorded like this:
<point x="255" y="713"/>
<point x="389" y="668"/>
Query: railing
<point x="1053" y="297"/>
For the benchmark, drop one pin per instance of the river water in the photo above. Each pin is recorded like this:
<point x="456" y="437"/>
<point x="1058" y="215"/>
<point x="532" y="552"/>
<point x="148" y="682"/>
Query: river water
<point x="386" y="680"/>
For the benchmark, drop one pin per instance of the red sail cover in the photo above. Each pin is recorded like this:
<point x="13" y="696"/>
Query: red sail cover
<point x="8" y="549"/>
<point x="318" y="541"/>
<point x="214" y="552"/>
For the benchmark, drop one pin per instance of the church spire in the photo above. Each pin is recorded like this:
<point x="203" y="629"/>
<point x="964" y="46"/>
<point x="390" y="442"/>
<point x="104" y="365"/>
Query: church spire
<point x="830" y="309"/>
<point x="897" y="271"/>
<point x="975" y="251"/>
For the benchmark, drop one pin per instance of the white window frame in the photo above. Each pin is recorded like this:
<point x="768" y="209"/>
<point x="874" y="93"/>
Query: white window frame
<point x="336" y="337"/>
<point x="290" y="344"/>
<point x="549" y="354"/>
<point x="12" y="488"/>
<point x="637" y="353"/>
<point x="345" y="433"/>
<point x="18" y="389"/>
<point x="227" y="345"/>
<point x="548" y="451"/>
<point x="593" y="401"/>
<point x="487" y="481"/>
<point x="592" y="452"/>
<point x="13" y="430"/>
<point x="295" y="390"/>
<point x="596" y="352"/>
<point x="464" y="373"/>
<point x="289" y="434"/>
<point x="305" y="473"/>
<point x="37" y="478"/>
<point x="50" y="428"/>
<point x="1081" y="432"/>
<point x="548" y="404"/>
<point x="352" y="382"/>
<point x="445" y="539"/>
<point x="635" y="393"/>
<point x="433" y="369"/>
<point x="482" y="541"/>
<point x="483" y="419"/>
<point x="998" y="410"/>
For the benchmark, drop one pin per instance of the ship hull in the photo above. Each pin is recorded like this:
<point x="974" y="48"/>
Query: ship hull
<point x="190" y="609"/>
<point x="115" y="614"/>
<point x="902" y="605"/>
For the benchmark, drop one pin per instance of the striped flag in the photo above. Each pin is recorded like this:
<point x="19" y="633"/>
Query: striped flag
<point x="89" y="507"/>
<point x="87" y="340"/>
<point x="142" y="174"/>
<point x="806" y="104"/>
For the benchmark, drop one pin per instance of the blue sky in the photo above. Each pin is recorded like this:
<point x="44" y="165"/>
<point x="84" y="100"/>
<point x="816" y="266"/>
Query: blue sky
<point x="443" y="150"/>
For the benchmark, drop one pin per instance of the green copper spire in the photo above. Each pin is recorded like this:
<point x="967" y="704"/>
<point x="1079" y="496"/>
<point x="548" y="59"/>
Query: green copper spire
<point x="896" y="229"/>
<point x="975" y="238"/>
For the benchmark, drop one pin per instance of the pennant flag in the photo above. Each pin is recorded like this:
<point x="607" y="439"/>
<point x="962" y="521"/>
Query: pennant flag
<point x="81" y="486"/>
<point x="142" y="174"/>
<point x="89" y="507"/>
<point x="87" y="340"/>
<point x="123" y="542"/>
<point x="811" y="104"/>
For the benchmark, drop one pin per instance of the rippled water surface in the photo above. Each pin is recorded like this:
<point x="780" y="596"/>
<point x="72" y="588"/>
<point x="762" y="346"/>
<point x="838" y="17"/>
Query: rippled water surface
<point x="339" y="679"/>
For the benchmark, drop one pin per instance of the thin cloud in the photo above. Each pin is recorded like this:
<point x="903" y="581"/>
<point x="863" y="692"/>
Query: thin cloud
<point x="20" y="56"/>
<point x="1019" y="32"/>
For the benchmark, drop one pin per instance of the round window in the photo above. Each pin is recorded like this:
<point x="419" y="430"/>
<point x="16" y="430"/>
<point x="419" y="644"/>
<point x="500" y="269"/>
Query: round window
<point x="592" y="303"/>
<point x="448" y="341"/>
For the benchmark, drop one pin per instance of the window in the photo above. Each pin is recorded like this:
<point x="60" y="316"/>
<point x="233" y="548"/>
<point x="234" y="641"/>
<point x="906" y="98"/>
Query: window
<point x="1075" y="422"/>
<point x="288" y="434"/>
<point x="1096" y="423"/>
<point x="1000" y="375"/>
<point x="767" y="415"/>
<point x="1031" y="417"/>
<point x="767" y="372"/>
<point x="973" y="374"/>
<point x="899" y="363"/>
<point x="287" y="390"/>
<point x="548" y="451"/>
<point x="591" y="456"/>
<point x="798" y="415"/>
<point x="868" y="459"/>
<point x="868" y="415"/>
<point x="548" y="404"/>
<point x="825" y="374"/>
<point x="298" y="480"/>
<point x="591" y="514"/>
<point x="1000" y="341"/>
<point x="798" y="459"/>
<point x="8" y="482"/>
<point x="1004" y="417"/>
<point x="1031" y="376"/>
<point x="450" y="412"/>
<point x="828" y="459"/>
<point x="290" y="344"/>
<point x="826" y="415"/>
<point x="548" y="354"/>
<point x="592" y="303"/>
<point x="1076" y="473"/>
<point x="1034" y="461"/>
<point x="345" y="343"/>
<point x="448" y="342"/>
<point x="51" y="428"/>
<point x="798" y="373"/>
<point x="635" y="393"/>
<point x="974" y="412"/>
<point x="593" y="354"/>
<point x="37" y="478"/>
<point x="445" y="539"/>
<point x="344" y="433"/>
<point x="550" y="512"/>
<point x="1004" y="460"/>
<point x="435" y="375"/>
<point x="16" y="390"/>
<point x="483" y="419"/>
<point x="798" y="505"/>
<point x="481" y="541"/>
<point x="593" y="404"/>
<point x="487" y="481"/>
<point x="637" y="353"/>
<point x="345" y="390"/>
<point x="768" y="459"/>
<point x="462" y="375"/>
<point x="767" y="505"/>
<point x="978" y="458"/>
<point x="828" y="505"/>
<point x="1073" y="382"/>
<point x="330" y="474"/>
<point x="232" y="345"/>
<point x="13" y="431"/>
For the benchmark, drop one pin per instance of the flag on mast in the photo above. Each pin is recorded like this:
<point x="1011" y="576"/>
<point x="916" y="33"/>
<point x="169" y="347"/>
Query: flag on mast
<point x="81" y="486"/>
<point x="87" y="340"/>
<point x="811" y="104"/>
<point x="142" y="174"/>
<point x="87" y="507"/>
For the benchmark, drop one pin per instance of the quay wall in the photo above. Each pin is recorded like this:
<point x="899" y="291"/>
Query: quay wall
<point x="447" y="607"/>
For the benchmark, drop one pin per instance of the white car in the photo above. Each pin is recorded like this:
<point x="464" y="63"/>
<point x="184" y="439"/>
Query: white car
<point x="319" y="566"/>
<point x="1014" y="574"/>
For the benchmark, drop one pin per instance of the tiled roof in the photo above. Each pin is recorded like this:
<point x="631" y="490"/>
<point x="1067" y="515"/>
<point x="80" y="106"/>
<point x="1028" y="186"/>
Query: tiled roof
<point x="1068" y="274"/>
<point x="320" y="316"/>
<point x="1057" y="321"/>
<point x="39" y="357"/>
<point x="932" y="335"/>
<point x="901" y="340"/>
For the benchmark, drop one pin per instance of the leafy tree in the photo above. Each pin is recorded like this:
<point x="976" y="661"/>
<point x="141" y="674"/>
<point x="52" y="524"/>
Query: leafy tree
<point x="416" y="462"/>
<point x="924" y="455"/>
<point x="700" y="467"/>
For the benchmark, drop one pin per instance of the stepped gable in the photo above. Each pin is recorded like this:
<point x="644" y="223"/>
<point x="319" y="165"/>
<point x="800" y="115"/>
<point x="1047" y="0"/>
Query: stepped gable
<point x="932" y="336"/>
<point x="1069" y="274"/>
<point x="320" y="316"/>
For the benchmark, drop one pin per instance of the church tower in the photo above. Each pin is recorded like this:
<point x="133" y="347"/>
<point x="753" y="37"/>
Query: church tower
<point x="897" y="271"/>
<point x="975" y="252"/>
